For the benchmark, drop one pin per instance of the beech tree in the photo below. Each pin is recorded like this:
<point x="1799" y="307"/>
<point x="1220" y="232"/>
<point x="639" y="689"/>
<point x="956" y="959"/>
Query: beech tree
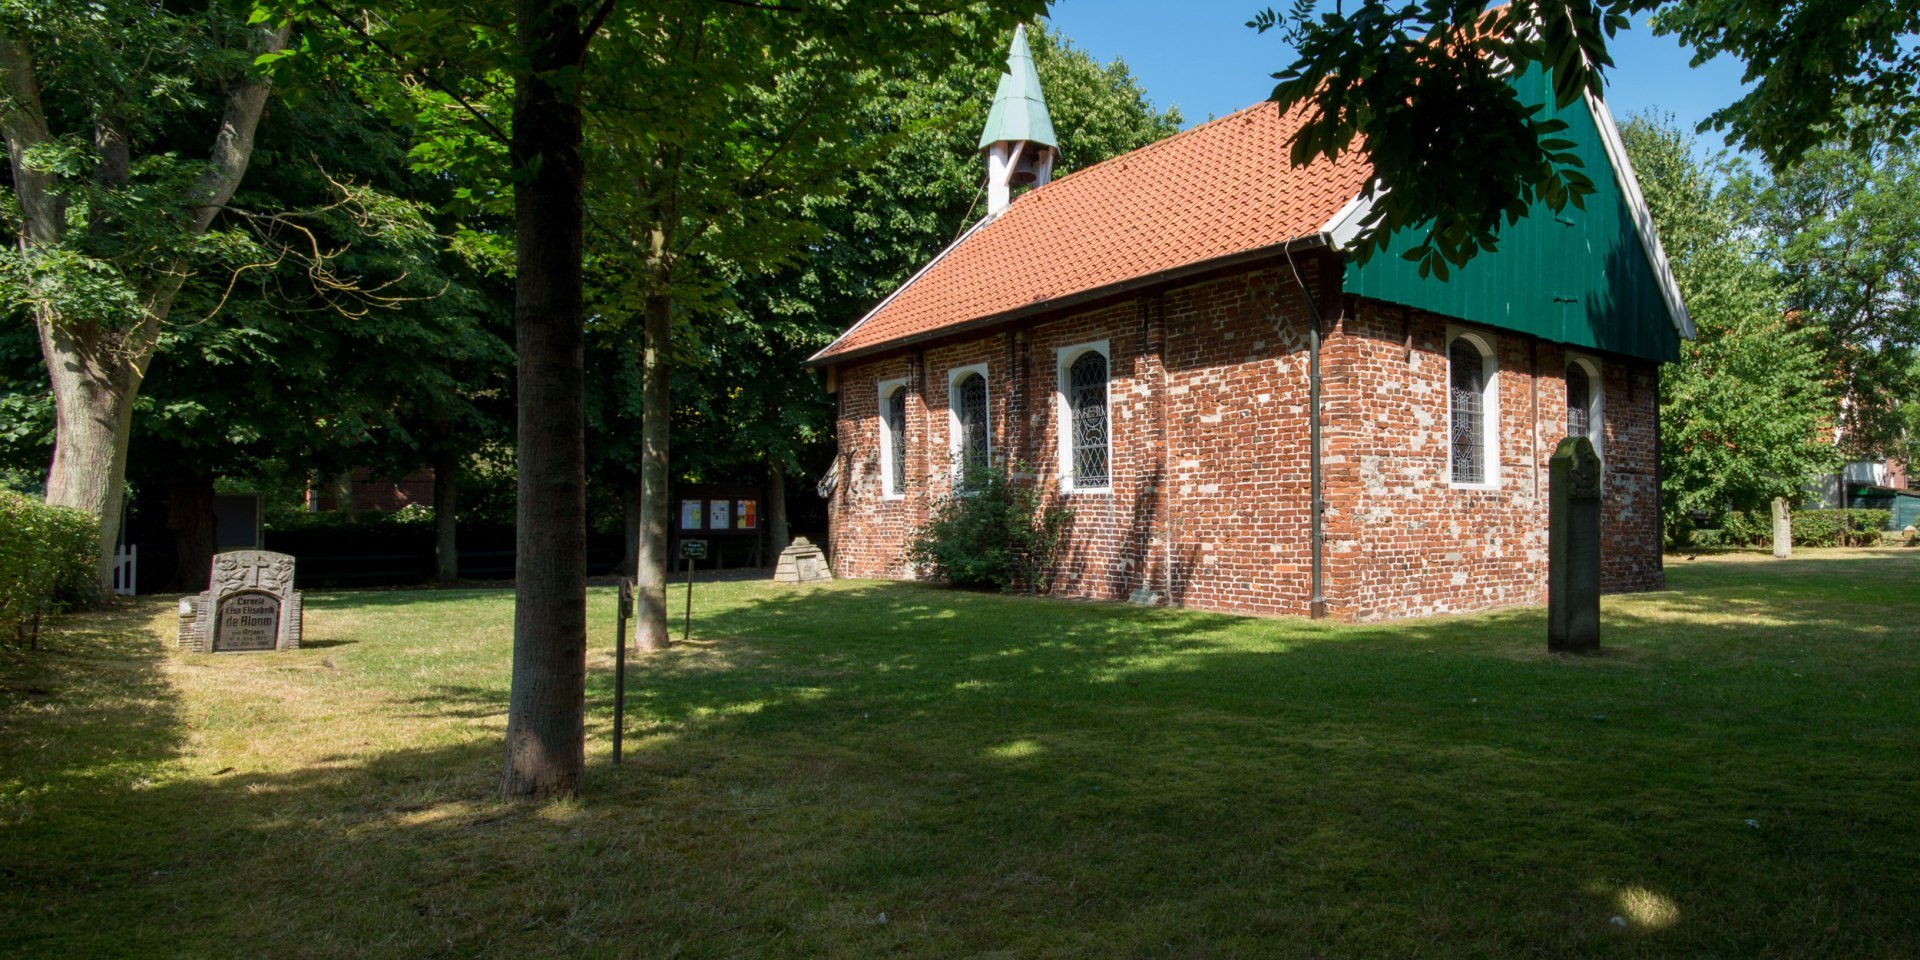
<point x="111" y="203"/>
<point x="1747" y="413"/>
<point x="1843" y="225"/>
<point x="735" y="118"/>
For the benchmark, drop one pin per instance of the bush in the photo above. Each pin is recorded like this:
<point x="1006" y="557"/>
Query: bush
<point x="1811" y="528"/>
<point x="1707" y="539"/>
<point x="46" y="563"/>
<point x="997" y="533"/>
<point x="1839" y="528"/>
<point x="1748" y="529"/>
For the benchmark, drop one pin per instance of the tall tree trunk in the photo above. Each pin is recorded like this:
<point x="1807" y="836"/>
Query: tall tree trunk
<point x="650" y="593"/>
<point x="778" y="536"/>
<point x="93" y="421"/>
<point x="189" y="495"/>
<point x="546" y="710"/>
<point x="446" y="518"/>
<point x="340" y="488"/>
<point x="630" y="511"/>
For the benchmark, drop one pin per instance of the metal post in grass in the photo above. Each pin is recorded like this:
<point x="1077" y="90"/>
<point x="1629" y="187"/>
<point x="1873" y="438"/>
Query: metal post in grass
<point x="1573" y="548"/>
<point x="620" y="664"/>
<point x="690" y="550"/>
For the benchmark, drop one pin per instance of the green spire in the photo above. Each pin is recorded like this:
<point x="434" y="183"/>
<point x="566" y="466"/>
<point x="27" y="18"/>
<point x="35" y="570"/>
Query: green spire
<point x="1019" y="108"/>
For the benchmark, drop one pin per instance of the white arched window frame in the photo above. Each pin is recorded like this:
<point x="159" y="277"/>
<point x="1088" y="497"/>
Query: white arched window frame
<point x="957" y="418"/>
<point x="1594" y="412"/>
<point x="893" y="438"/>
<point x="1067" y="425"/>
<point x="1482" y="472"/>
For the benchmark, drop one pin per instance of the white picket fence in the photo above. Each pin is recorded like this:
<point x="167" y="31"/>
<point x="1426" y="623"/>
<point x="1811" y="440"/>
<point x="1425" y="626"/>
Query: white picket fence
<point x="125" y="559"/>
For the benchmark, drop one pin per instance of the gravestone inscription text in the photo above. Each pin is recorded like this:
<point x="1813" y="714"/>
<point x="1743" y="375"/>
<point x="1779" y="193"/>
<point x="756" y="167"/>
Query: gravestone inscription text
<point x="247" y="621"/>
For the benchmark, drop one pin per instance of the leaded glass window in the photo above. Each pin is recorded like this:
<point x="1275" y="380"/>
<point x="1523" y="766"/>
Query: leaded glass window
<point x="896" y="441"/>
<point x="1087" y="415"/>
<point x="1468" y="373"/>
<point x="1579" y="402"/>
<point x="970" y="396"/>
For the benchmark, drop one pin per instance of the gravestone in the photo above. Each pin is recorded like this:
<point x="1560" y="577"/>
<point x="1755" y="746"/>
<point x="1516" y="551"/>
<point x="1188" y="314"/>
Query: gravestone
<point x="1782" y="529"/>
<point x="1573" y="547"/>
<point x="802" y="562"/>
<point x="249" y="606"/>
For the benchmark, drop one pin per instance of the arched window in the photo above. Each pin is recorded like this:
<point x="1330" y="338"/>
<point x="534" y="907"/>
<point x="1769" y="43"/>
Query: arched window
<point x="894" y="421"/>
<point x="1088" y="452"/>
<point x="973" y="445"/>
<point x="1471" y="402"/>
<point x="1584" y="398"/>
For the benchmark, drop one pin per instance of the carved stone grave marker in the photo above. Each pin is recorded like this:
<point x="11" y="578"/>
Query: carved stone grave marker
<point x="802" y="562"/>
<point x="1782" y="529"/>
<point x="1573" y="547"/>
<point x="250" y="605"/>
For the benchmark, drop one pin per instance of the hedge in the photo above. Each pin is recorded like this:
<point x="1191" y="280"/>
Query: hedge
<point x="46" y="563"/>
<point x="1811" y="528"/>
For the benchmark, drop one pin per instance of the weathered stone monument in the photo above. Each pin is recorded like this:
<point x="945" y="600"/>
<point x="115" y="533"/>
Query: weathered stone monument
<point x="802" y="562"/>
<point x="1573" y="548"/>
<point x="1782" y="529"/>
<point x="250" y="605"/>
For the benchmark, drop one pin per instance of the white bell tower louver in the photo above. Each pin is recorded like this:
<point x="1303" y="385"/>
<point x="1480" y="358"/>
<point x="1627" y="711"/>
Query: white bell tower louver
<point x="1019" y="141"/>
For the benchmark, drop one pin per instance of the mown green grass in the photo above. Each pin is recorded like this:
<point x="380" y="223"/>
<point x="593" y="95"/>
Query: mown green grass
<point x="882" y="769"/>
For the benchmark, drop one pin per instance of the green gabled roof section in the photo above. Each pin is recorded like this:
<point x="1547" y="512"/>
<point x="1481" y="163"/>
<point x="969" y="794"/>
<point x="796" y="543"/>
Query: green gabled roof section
<point x="1593" y="277"/>
<point x="1019" y="108"/>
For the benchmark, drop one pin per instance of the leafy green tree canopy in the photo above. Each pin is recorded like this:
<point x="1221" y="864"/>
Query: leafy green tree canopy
<point x="1747" y="414"/>
<point x="1843" y="225"/>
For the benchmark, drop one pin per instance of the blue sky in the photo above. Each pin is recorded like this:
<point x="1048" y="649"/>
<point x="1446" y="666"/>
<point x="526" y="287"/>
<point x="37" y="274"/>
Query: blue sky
<point x="1198" y="55"/>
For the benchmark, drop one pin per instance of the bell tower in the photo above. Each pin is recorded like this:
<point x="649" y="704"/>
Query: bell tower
<point x="1018" y="142"/>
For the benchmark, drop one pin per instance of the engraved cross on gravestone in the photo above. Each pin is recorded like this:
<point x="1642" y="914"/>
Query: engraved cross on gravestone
<point x="1573" y="547"/>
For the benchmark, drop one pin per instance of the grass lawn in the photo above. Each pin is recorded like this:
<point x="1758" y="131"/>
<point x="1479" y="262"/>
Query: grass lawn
<point x="883" y="769"/>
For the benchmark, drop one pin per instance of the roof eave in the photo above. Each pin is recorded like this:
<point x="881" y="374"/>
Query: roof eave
<point x="821" y="358"/>
<point x="1305" y="242"/>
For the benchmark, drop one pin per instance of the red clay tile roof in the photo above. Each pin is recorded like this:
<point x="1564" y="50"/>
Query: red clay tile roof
<point x="1219" y="189"/>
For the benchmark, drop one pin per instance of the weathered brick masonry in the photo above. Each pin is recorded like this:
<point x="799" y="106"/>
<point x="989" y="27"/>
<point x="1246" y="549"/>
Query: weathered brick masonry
<point x="1208" y="503"/>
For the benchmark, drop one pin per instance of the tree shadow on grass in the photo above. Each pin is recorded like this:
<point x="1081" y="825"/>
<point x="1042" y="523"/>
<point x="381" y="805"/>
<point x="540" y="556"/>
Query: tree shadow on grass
<point x="90" y="702"/>
<point x="998" y="775"/>
<point x="1449" y="772"/>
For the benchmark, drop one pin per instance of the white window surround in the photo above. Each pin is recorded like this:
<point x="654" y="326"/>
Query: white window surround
<point x="954" y="376"/>
<point x="1063" y="414"/>
<point x="1489" y="407"/>
<point x="888" y="482"/>
<point x="1596" y="400"/>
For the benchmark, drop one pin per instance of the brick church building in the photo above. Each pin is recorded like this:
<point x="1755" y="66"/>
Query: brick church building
<point x="1177" y="343"/>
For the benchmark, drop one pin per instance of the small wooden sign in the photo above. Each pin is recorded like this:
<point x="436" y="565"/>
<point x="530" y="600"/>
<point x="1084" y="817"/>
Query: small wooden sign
<point x="693" y="549"/>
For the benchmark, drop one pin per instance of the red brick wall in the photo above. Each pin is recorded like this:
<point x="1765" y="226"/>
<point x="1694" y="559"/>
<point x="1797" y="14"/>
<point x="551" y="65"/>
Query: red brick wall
<point x="372" y="493"/>
<point x="1209" y="493"/>
<point x="1401" y="540"/>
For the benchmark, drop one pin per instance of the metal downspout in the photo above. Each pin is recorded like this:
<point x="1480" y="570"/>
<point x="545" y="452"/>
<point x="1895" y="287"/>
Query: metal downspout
<point x="1316" y="505"/>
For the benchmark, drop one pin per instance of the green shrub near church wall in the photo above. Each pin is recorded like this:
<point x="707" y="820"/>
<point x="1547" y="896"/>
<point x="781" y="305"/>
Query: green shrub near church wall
<point x="995" y="531"/>
<point x="46" y="562"/>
